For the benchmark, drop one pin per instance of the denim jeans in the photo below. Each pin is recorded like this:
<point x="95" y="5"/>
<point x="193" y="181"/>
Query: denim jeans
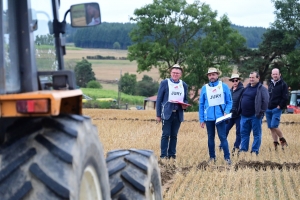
<point x="273" y="117"/>
<point x="170" y="129"/>
<point x="247" y="124"/>
<point x="211" y="131"/>
<point x="235" y="121"/>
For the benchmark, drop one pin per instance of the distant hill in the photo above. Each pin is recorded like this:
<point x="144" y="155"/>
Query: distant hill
<point x="105" y="35"/>
<point x="253" y="35"/>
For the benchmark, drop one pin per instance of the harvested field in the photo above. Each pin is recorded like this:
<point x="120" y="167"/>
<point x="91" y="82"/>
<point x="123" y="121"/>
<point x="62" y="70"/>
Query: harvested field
<point x="271" y="175"/>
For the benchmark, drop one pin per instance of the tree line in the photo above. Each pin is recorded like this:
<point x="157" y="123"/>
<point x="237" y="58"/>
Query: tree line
<point x="108" y="35"/>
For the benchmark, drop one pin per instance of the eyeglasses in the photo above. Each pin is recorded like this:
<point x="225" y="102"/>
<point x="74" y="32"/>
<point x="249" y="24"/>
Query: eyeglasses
<point x="175" y="73"/>
<point x="235" y="80"/>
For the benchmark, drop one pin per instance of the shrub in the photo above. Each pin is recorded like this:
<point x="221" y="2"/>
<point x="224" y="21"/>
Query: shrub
<point x="94" y="84"/>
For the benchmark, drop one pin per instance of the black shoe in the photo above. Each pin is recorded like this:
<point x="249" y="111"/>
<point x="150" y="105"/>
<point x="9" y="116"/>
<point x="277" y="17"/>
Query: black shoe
<point x="283" y="142"/>
<point x="173" y="157"/>
<point x="276" y="144"/>
<point x="256" y="152"/>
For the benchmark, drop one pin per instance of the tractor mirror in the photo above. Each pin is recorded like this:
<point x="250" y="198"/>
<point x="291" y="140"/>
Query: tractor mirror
<point x="86" y="14"/>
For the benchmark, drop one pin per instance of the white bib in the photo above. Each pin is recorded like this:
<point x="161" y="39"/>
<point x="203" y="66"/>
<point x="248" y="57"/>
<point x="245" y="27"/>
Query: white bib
<point x="215" y="95"/>
<point x="176" y="91"/>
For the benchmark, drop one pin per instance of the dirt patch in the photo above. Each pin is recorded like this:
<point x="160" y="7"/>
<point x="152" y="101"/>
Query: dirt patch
<point x="242" y="164"/>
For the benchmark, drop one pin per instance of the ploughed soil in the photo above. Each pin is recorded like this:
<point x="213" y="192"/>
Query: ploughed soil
<point x="169" y="168"/>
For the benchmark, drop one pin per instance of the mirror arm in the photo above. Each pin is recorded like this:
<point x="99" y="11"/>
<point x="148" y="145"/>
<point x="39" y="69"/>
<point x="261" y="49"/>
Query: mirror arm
<point x="66" y="14"/>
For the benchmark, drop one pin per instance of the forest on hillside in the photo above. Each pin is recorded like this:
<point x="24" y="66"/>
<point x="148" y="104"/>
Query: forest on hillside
<point x="116" y="35"/>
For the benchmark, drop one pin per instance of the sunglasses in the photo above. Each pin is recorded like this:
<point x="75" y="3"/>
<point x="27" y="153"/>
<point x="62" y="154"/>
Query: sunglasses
<point x="235" y="80"/>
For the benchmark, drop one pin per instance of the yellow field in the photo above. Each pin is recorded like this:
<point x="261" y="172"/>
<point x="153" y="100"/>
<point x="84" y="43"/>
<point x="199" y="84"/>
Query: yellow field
<point x="271" y="175"/>
<point x="109" y="69"/>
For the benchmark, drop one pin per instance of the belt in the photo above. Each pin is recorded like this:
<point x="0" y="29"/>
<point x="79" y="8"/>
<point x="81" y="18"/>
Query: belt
<point x="174" y="110"/>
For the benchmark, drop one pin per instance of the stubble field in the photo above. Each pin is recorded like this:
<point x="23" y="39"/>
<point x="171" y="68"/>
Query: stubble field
<point x="271" y="175"/>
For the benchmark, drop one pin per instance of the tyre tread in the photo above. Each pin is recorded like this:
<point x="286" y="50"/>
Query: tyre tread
<point x="140" y="187"/>
<point x="116" y="169"/>
<point x="51" y="123"/>
<point x="117" y="155"/>
<point x="136" y="163"/>
<point x="10" y="168"/>
<point x="25" y="189"/>
<point x="145" y="153"/>
<point x="61" y="154"/>
<point x="117" y="189"/>
<point x="48" y="181"/>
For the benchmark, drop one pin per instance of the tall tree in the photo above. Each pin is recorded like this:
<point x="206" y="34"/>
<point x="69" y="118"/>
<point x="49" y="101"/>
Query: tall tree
<point x="288" y="17"/>
<point x="128" y="83"/>
<point x="84" y="73"/>
<point x="173" y="31"/>
<point x="147" y="86"/>
<point x="271" y="53"/>
<point x="288" y="20"/>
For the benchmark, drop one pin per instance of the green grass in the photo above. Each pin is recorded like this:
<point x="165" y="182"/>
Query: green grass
<point x="125" y="98"/>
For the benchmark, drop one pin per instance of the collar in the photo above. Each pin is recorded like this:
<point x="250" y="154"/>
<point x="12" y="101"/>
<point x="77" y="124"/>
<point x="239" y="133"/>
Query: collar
<point x="174" y="81"/>
<point x="213" y="84"/>
<point x="274" y="82"/>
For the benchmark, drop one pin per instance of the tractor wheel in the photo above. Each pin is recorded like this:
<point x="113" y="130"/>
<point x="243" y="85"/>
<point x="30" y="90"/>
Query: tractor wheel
<point x="133" y="174"/>
<point x="53" y="158"/>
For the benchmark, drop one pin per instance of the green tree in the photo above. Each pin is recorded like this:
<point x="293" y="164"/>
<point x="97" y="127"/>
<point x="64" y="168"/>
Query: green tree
<point x="288" y="17"/>
<point x="84" y="73"/>
<point x="172" y="31"/>
<point x="128" y="83"/>
<point x="271" y="53"/>
<point x="94" y="84"/>
<point x="288" y="20"/>
<point x="147" y="86"/>
<point x="116" y="45"/>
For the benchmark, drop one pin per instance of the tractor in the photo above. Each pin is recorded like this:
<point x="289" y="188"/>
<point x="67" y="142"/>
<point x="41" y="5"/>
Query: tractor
<point x="48" y="149"/>
<point x="294" y="105"/>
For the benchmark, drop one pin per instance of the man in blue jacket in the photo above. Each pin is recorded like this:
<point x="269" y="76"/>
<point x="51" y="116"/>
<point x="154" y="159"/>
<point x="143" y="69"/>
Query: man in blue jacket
<point x="215" y="101"/>
<point x="253" y="104"/>
<point x="172" y="93"/>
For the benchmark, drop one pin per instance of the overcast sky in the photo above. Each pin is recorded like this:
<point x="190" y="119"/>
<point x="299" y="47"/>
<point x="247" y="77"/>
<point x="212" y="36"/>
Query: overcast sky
<point x="240" y="12"/>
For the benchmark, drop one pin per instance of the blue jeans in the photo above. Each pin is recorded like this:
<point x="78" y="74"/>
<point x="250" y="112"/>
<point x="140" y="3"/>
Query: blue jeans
<point x="273" y="117"/>
<point x="211" y="131"/>
<point x="170" y="129"/>
<point x="248" y="124"/>
<point x="235" y="121"/>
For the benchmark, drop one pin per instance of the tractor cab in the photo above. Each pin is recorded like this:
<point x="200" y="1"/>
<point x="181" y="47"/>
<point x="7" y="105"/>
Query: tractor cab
<point x="294" y="106"/>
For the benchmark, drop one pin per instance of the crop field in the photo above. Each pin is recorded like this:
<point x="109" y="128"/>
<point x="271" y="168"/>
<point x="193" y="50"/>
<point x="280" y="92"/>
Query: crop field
<point x="270" y="175"/>
<point x="109" y="70"/>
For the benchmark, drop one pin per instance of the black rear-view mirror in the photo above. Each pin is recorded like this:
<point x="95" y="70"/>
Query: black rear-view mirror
<point x="86" y="14"/>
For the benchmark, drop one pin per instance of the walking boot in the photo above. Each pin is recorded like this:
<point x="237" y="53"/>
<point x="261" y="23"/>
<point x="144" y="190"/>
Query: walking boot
<point x="283" y="142"/>
<point x="276" y="144"/>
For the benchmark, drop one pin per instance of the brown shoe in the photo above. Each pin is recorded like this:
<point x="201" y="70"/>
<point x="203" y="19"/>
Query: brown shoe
<point x="276" y="144"/>
<point x="283" y="142"/>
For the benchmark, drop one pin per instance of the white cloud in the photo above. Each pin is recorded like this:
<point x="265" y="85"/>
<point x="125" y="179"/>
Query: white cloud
<point x="240" y="12"/>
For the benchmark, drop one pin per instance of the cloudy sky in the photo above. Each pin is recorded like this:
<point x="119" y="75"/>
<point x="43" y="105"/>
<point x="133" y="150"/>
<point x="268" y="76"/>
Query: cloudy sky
<point x="240" y="12"/>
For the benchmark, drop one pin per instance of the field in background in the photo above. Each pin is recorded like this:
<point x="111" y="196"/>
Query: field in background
<point x="271" y="175"/>
<point x="108" y="70"/>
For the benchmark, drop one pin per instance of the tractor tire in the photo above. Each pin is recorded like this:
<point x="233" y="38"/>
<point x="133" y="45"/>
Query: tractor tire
<point x="134" y="174"/>
<point x="53" y="158"/>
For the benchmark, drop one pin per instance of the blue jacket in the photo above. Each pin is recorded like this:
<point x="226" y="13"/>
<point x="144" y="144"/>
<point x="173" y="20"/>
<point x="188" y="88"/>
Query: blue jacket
<point x="163" y="107"/>
<point x="207" y="113"/>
